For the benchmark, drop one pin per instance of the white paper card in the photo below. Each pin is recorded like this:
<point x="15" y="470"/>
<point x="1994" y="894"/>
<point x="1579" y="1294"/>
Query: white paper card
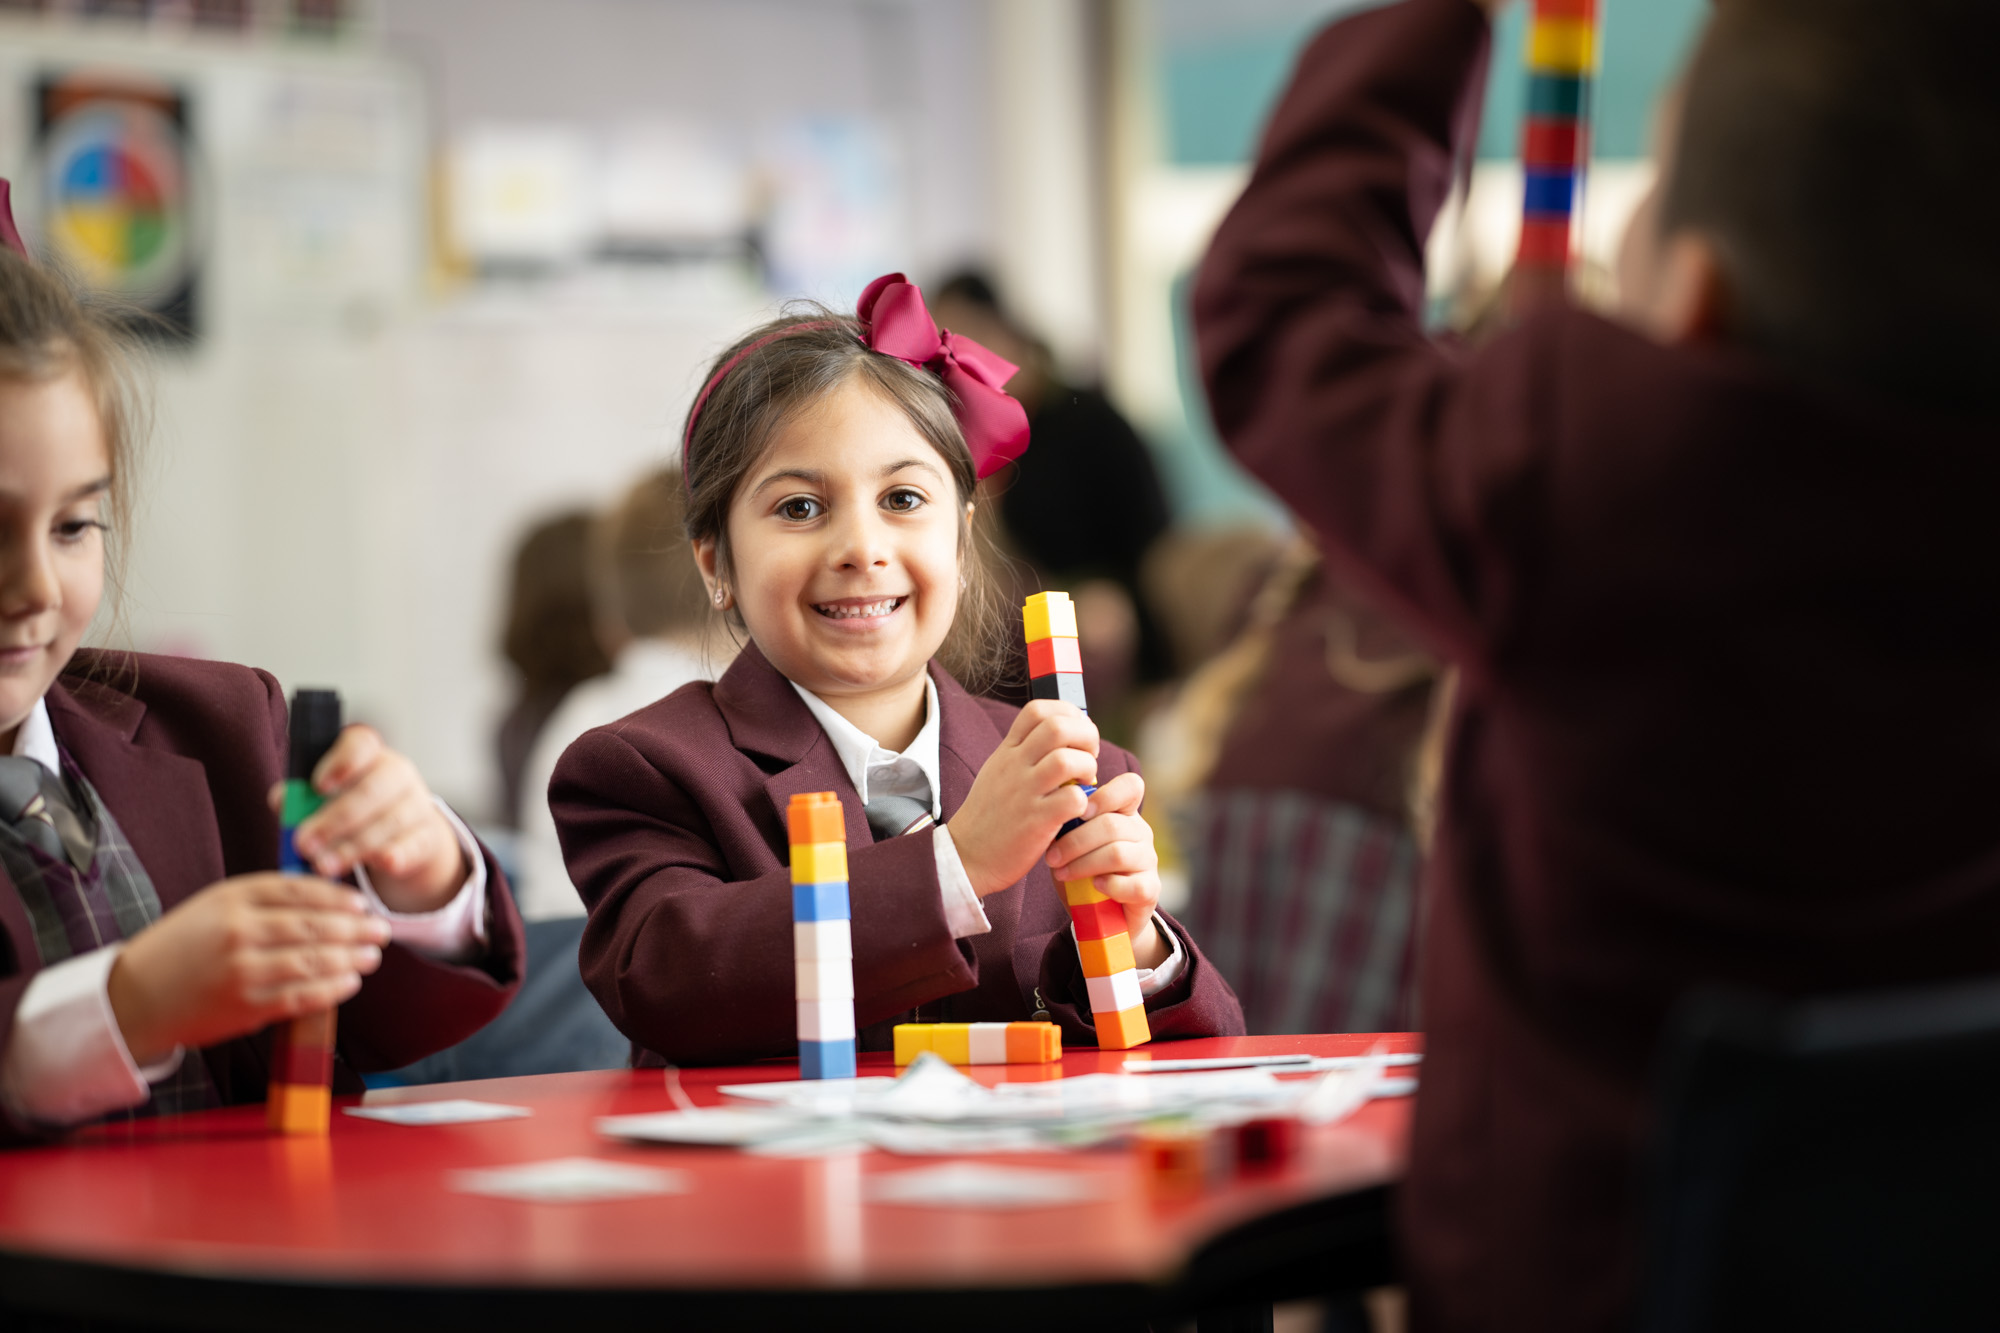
<point x="455" y="1111"/>
<point x="976" y="1185"/>
<point x="570" y="1180"/>
<point x="719" y="1126"/>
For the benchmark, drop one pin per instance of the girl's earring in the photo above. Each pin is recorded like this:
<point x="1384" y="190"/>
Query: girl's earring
<point x="720" y="596"/>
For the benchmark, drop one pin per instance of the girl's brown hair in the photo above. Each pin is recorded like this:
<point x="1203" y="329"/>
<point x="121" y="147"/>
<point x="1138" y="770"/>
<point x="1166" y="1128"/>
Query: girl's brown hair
<point x="50" y="327"/>
<point x="786" y="366"/>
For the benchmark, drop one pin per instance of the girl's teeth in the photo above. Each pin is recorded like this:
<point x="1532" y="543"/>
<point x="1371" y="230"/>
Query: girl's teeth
<point x="859" y="612"/>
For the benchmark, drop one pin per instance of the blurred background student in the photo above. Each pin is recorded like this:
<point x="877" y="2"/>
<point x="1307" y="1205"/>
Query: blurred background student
<point x="652" y="616"/>
<point x="1082" y="507"/>
<point x="551" y="640"/>
<point x="1289" y="765"/>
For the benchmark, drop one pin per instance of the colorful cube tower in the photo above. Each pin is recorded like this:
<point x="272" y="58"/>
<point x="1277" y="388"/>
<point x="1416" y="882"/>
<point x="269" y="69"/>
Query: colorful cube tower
<point x="1055" y="671"/>
<point x="300" y="1095"/>
<point x="1562" y="55"/>
<point x="822" y="942"/>
<point x="980" y="1043"/>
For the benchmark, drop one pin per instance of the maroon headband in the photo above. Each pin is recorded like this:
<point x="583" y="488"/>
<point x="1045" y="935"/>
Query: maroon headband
<point x="10" y="236"/>
<point x="895" y="322"/>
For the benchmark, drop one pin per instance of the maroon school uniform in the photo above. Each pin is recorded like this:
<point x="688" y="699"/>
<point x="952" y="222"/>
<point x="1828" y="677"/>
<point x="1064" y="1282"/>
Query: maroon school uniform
<point x="182" y="753"/>
<point x="1728" y="648"/>
<point x="672" y="822"/>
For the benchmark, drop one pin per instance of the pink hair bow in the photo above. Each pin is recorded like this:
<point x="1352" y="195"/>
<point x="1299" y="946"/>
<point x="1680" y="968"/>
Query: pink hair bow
<point x="895" y="322"/>
<point x="10" y="236"/>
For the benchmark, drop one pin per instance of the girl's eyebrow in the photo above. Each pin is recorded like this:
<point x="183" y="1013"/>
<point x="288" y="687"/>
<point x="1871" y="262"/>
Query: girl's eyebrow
<point x="805" y="475"/>
<point x="902" y="463"/>
<point x="87" y="490"/>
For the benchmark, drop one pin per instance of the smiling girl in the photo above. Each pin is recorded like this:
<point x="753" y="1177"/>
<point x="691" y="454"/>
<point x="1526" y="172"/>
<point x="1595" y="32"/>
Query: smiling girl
<point x="831" y="464"/>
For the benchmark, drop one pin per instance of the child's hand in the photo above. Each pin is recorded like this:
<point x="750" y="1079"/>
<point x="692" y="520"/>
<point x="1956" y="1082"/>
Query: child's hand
<point x="379" y="814"/>
<point x="1024" y="793"/>
<point x="240" y="954"/>
<point x="1114" y="850"/>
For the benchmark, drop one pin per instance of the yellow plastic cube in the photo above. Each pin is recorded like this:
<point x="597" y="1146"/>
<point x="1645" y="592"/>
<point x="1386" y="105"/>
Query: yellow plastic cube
<point x="1047" y="615"/>
<point x="819" y="863"/>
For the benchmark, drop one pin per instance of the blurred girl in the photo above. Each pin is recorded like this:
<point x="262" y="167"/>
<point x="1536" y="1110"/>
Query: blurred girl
<point x="148" y="942"/>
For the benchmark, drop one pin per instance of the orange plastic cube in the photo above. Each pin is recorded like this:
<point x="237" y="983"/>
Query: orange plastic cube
<point x="1106" y="957"/>
<point x="815" y="816"/>
<point x="1033" y="1043"/>
<point x="291" y="1109"/>
<point x="1122" y="1029"/>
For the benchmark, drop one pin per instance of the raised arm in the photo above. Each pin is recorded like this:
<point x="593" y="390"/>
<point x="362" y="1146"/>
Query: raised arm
<point x="1309" y="311"/>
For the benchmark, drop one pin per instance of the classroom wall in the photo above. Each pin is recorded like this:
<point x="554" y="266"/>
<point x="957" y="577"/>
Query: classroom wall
<point x="1196" y="82"/>
<point x="346" y="457"/>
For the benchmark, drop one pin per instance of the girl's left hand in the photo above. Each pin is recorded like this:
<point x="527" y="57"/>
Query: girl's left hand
<point x="1114" y="849"/>
<point x="379" y="814"/>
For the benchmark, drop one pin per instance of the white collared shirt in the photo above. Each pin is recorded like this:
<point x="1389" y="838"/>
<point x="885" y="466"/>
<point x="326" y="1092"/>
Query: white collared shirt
<point x="67" y="1061"/>
<point x="914" y="773"/>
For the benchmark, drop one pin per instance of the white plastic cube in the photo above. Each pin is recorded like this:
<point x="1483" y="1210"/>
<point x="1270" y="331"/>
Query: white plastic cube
<point x="826" y="1020"/>
<point x="989" y="1043"/>
<point x="1113" y="993"/>
<point x="821" y="940"/>
<point x="826" y="978"/>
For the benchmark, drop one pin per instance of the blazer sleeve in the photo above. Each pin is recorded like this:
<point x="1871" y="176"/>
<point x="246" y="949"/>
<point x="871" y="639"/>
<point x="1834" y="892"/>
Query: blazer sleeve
<point x="1309" y="317"/>
<point x="1200" y="1003"/>
<point x="695" y="964"/>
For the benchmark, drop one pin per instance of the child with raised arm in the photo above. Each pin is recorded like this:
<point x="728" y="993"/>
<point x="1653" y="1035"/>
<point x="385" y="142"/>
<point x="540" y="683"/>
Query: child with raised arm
<point x="830" y="465"/>
<point x="1718" y="575"/>
<point x="145" y="940"/>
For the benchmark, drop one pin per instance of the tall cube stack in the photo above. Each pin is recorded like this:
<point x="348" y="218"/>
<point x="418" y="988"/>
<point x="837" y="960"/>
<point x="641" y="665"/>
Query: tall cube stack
<point x="822" y="941"/>
<point x="1562" y="53"/>
<point x="1055" y="671"/>
<point x="299" y="1097"/>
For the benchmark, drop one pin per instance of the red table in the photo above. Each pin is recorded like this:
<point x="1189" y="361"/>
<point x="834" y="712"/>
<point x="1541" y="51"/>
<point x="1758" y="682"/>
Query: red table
<point x="208" y="1219"/>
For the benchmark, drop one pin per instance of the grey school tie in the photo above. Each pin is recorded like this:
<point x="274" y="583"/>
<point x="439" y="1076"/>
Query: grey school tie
<point x="33" y="800"/>
<point x="893" y="816"/>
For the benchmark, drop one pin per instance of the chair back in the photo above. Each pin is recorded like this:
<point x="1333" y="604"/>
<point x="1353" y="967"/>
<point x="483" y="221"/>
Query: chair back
<point x="1828" y="1164"/>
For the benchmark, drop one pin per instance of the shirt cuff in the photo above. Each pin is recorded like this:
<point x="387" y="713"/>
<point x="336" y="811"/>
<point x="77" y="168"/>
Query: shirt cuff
<point x="455" y="932"/>
<point x="963" y="914"/>
<point x="1154" y="980"/>
<point x="67" y="1061"/>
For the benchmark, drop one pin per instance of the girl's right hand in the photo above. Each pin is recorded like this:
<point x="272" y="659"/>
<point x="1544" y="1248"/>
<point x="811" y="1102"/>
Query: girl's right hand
<point x="238" y="955"/>
<point x="1024" y="794"/>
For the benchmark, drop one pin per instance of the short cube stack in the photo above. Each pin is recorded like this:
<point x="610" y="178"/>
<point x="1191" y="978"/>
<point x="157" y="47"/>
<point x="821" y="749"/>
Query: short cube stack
<point x="1562" y="53"/>
<point x="980" y="1043"/>
<point x="822" y="941"/>
<point x="299" y="1097"/>
<point x="1055" y="671"/>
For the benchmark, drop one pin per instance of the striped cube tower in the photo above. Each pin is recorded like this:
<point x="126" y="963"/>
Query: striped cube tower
<point x="299" y="1096"/>
<point x="822" y="944"/>
<point x="1055" y="671"/>
<point x="980" y="1043"/>
<point x="1562" y="56"/>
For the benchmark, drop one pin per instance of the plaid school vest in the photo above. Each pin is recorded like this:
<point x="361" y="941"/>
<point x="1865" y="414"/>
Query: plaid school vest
<point x="74" y="912"/>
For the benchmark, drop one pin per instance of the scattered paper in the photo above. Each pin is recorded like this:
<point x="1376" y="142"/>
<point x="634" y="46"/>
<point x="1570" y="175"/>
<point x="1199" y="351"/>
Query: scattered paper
<point x="570" y="1180"/>
<point x="449" y="1112"/>
<point x="975" y="1185"/>
<point x="1148" y="1065"/>
<point x="719" y="1126"/>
